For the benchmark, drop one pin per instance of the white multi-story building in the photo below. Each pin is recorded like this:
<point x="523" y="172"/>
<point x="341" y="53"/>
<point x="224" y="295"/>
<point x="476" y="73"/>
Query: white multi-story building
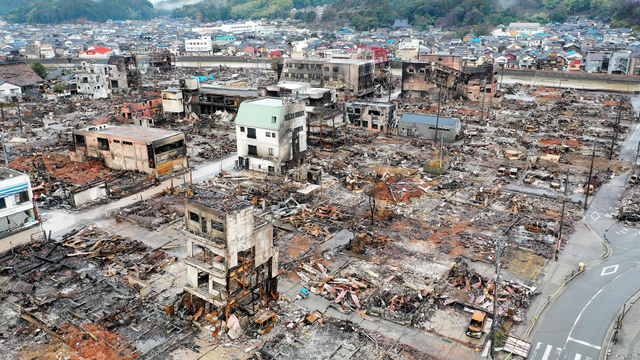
<point x="16" y="201"/>
<point x="248" y="26"/>
<point x="526" y="29"/>
<point x="271" y="134"/>
<point x="201" y="46"/>
<point x="93" y="81"/>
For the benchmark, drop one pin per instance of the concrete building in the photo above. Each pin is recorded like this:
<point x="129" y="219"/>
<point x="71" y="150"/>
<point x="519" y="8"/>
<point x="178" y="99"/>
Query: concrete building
<point x="136" y="109"/>
<point x="348" y="76"/>
<point x="201" y="46"/>
<point x="93" y="81"/>
<point x="375" y="117"/>
<point x="16" y="201"/>
<point x="271" y="134"/>
<point x="172" y="101"/>
<point x="619" y="62"/>
<point x="231" y="260"/>
<point x="32" y="51"/>
<point x="240" y="27"/>
<point x="153" y="151"/>
<point x="424" y="126"/>
<point x="10" y="92"/>
<point x="123" y="72"/>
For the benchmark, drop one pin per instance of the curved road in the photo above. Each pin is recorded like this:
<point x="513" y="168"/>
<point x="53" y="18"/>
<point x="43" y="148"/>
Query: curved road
<point x="575" y="325"/>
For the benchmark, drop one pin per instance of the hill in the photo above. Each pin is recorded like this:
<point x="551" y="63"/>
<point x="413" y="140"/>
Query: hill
<point x="477" y="15"/>
<point x="8" y="5"/>
<point x="68" y="11"/>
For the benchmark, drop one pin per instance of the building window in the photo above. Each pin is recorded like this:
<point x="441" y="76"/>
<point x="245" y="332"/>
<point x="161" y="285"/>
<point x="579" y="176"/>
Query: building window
<point x="273" y="135"/>
<point x="3" y="203"/>
<point x="194" y="217"/>
<point x="268" y="134"/>
<point x="103" y="144"/>
<point x="273" y="119"/>
<point x="127" y="143"/>
<point x="271" y="151"/>
<point x="22" y="197"/>
<point x="251" y="133"/>
<point x="80" y="140"/>
<point x="253" y="150"/>
<point x="335" y="69"/>
<point x="241" y="128"/>
<point x="326" y="69"/>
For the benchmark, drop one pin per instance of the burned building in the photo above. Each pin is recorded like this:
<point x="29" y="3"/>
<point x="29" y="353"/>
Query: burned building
<point x="423" y="79"/>
<point x="320" y="97"/>
<point x="271" y="134"/>
<point x="427" y="79"/>
<point x="349" y="77"/>
<point x="372" y="116"/>
<point x="326" y="127"/>
<point x="123" y="72"/>
<point x="172" y="101"/>
<point x="219" y="98"/>
<point x="143" y="107"/>
<point x="93" y="81"/>
<point x="162" y="60"/>
<point x="231" y="260"/>
<point x="424" y="126"/>
<point x="149" y="150"/>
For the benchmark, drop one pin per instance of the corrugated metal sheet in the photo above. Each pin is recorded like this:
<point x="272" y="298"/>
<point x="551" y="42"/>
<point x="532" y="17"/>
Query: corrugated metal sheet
<point x="430" y="120"/>
<point x="165" y="168"/>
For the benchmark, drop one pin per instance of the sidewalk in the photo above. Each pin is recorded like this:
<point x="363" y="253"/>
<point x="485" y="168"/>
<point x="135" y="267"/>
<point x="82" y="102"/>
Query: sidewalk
<point x="628" y="345"/>
<point x="583" y="246"/>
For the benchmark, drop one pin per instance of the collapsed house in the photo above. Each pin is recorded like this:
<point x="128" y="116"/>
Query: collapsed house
<point x="162" y="60"/>
<point x="231" y="260"/>
<point x="375" y="117"/>
<point x="271" y="134"/>
<point x="16" y="201"/>
<point x="348" y="77"/>
<point x="153" y="151"/>
<point x="92" y="82"/>
<point x="319" y="97"/>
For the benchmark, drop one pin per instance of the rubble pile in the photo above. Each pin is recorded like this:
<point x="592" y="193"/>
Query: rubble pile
<point x="153" y="213"/>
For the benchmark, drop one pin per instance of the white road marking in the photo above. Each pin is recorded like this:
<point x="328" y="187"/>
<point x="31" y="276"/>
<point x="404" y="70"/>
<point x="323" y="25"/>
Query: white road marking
<point x="558" y="352"/>
<point x="535" y="352"/>
<point x="578" y="357"/>
<point x="595" y="216"/>
<point x="609" y="270"/>
<point x="585" y="343"/>
<point x="547" y="351"/>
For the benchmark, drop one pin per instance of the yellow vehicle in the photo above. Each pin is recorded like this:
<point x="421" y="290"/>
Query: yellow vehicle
<point x="265" y="319"/>
<point x="476" y="325"/>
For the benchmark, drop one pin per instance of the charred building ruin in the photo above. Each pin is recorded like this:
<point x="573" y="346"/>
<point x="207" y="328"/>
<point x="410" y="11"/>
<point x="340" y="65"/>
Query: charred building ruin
<point x="231" y="260"/>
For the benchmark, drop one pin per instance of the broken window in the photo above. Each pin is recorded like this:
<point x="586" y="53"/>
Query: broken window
<point x="116" y="141"/>
<point x="374" y="112"/>
<point x="203" y="225"/>
<point x="171" y="146"/>
<point x="127" y="143"/>
<point x="217" y="225"/>
<point x="103" y="144"/>
<point x="80" y="140"/>
<point x="411" y="71"/>
<point x="335" y="69"/>
<point x="251" y="133"/>
<point x="326" y="69"/>
<point x="194" y="217"/>
<point x="253" y="150"/>
<point x="326" y="78"/>
<point x="22" y="197"/>
<point x="3" y="203"/>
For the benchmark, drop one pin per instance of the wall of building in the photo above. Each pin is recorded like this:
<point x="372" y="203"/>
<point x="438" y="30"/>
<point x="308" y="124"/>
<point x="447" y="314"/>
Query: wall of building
<point x="427" y="131"/>
<point x="148" y="108"/>
<point x="18" y="210"/>
<point x="172" y="102"/>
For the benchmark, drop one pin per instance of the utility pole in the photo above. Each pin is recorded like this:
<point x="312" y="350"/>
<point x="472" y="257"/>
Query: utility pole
<point x="593" y="156"/>
<point x="495" y="301"/>
<point x="635" y="164"/>
<point x="435" y="138"/>
<point x="484" y="85"/>
<point x="615" y="135"/>
<point x="4" y="150"/>
<point x="441" y="147"/>
<point x="389" y="83"/>
<point x="564" y="200"/>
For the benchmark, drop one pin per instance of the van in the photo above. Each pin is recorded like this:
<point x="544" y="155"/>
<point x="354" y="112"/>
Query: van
<point x="476" y="325"/>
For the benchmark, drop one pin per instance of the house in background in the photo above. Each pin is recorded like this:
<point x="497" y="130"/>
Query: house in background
<point x="96" y="53"/>
<point x="10" y="92"/>
<point x="593" y="63"/>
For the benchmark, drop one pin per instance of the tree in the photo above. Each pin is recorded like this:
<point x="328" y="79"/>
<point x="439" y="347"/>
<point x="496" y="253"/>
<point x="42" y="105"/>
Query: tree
<point x="39" y="69"/>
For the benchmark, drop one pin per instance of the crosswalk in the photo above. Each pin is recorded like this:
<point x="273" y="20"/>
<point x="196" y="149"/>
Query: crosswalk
<point x="549" y="352"/>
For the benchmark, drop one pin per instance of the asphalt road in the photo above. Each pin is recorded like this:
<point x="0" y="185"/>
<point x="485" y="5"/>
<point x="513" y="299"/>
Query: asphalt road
<point x="575" y="325"/>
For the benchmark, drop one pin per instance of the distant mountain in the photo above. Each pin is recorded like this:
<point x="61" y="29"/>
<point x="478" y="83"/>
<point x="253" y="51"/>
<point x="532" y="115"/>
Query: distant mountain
<point x="9" y="5"/>
<point x="68" y="11"/>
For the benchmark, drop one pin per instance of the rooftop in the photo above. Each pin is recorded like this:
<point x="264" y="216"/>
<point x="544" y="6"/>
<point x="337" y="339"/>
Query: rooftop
<point x="133" y="132"/>
<point x="220" y="202"/>
<point x="429" y="120"/>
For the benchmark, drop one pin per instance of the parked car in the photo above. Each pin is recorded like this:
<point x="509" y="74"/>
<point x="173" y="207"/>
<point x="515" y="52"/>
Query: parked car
<point x="476" y="325"/>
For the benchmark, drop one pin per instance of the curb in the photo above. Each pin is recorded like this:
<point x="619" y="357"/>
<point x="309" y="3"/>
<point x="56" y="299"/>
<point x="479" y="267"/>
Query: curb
<point x="607" y="343"/>
<point x="552" y="298"/>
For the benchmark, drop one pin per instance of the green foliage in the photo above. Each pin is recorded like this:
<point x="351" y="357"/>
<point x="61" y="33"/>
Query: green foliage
<point x="60" y="11"/>
<point x="558" y="16"/>
<point x="9" y="5"/>
<point x="59" y="88"/>
<point x="627" y="13"/>
<point x="39" y="69"/>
